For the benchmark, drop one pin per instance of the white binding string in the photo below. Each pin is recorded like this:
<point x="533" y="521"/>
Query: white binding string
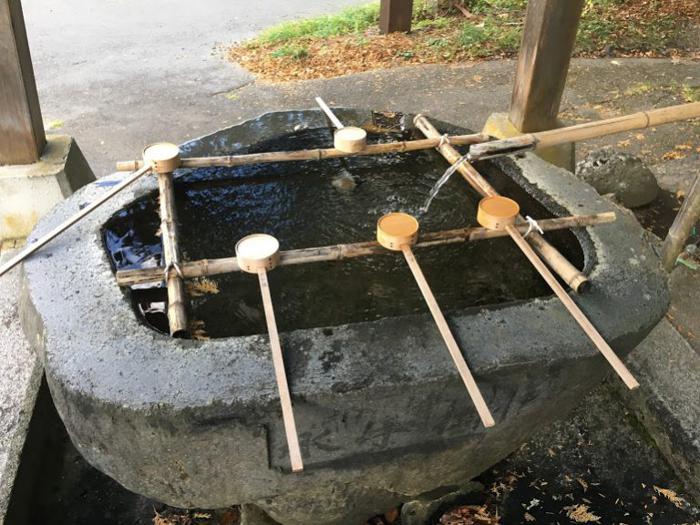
<point x="532" y="225"/>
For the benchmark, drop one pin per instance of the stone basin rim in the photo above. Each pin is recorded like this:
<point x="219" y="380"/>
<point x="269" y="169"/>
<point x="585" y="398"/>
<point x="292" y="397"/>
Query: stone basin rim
<point x="233" y="360"/>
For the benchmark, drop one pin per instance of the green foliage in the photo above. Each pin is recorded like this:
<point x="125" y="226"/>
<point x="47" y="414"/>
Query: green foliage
<point x="472" y="35"/>
<point x="295" y="52"/>
<point x="350" y="20"/>
<point x="690" y="93"/>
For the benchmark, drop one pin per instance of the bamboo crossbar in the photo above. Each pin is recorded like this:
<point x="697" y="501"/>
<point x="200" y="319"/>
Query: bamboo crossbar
<point x="314" y="154"/>
<point x="207" y="267"/>
<point x="567" y="271"/>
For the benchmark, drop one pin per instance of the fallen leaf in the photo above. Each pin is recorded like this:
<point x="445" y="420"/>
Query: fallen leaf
<point x="581" y="514"/>
<point x="670" y="496"/>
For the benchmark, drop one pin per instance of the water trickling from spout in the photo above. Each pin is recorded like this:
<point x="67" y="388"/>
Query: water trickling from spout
<point x="438" y="186"/>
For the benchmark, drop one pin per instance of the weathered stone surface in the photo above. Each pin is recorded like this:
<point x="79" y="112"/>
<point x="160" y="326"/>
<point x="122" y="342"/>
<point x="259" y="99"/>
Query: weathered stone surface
<point x="623" y="175"/>
<point x="197" y="423"/>
<point x="20" y="377"/>
<point x="422" y="511"/>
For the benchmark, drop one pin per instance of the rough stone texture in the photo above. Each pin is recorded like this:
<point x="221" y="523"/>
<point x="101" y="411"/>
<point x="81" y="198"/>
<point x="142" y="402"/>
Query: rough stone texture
<point x="609" y="171"/>
<point x="668" y="402"/>
<point x="196" y="423"/>
<point x="27" y="192"/>
<point x="20" y="377"/>
<point x="423" y="510"/>
<point x="254" y="515"/>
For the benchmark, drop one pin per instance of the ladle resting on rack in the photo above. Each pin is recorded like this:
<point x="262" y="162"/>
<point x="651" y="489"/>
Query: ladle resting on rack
<point x="398" y="232"/>
<point x="500" y="213"/>
<point x="258" y="253"/>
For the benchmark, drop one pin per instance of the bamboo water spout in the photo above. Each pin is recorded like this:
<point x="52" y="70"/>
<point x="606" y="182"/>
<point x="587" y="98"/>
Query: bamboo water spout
<point x="585" y="131"/>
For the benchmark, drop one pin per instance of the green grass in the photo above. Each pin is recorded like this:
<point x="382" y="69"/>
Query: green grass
<point x="493" y="30"/>
<point x="350" y="20"/>
<point x="690" y="93"/>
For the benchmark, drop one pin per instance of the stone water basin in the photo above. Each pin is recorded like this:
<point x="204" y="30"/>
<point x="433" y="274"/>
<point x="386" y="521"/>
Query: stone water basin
<point x="381" y="412"/>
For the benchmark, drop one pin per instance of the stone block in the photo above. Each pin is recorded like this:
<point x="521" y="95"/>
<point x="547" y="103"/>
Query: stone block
<point x="29" y="191"/>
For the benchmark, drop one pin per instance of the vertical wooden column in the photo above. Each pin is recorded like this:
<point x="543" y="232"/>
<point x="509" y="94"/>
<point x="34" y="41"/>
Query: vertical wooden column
<point x="22" y="137"/>
<point x="548" y="42"/>
<point x="395" y="15"/>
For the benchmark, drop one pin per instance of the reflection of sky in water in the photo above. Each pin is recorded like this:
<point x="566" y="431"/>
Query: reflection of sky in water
<point x="303" y="204"/>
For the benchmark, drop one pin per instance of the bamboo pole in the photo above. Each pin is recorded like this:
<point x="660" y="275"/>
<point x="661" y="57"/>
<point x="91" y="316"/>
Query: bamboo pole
<point x="567" y="271"/>
<point x="447" y="336"/>
<point x="573" y="309"/>
<point x="177" y="300"/>
<point x="208" y="267"/>
<point x="587" y="130"/>
<point x="290" y="428"/>
<point x="678" y="234"/>
<point x="314" y="154"/>
<point x="45" y="239"/>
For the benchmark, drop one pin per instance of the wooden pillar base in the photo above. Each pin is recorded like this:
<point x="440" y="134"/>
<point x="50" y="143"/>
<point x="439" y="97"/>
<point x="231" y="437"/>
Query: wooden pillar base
<point x="28" y="191"/>
<point x="563" y="155"/>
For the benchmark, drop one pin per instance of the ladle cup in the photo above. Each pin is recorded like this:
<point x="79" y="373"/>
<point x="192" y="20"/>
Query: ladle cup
<point x="349" y="139"/>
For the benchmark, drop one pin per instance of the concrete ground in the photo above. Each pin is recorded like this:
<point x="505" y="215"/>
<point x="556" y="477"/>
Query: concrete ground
<point x="118" y="74"/>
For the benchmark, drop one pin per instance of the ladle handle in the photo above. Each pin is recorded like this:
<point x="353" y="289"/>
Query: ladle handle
<point x="441" y="322"/>
<point x="26" y="252"/>
<point x="329" y="113"/>
<point x="290" y="426"/>
<point x="574" y="310"/>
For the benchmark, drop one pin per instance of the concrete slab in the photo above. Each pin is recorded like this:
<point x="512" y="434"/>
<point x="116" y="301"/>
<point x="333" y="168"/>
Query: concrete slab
<point x="20" y="378"/>
<point x="668" y="401"/>
<point x="28" y="191"/>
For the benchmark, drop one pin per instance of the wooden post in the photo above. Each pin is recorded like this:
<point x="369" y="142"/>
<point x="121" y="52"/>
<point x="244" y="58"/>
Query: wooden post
<point x="22" y="137"/>
<point x="395" y="15"/>
<point x="687" y="218"/>
<point x="545" y="52"/>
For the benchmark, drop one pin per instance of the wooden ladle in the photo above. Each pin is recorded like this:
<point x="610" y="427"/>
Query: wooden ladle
<point x="398" y="232"/>
<point x="349" y="139"/>
<point x="258" y="253"/>
<point x="499" y="213"/>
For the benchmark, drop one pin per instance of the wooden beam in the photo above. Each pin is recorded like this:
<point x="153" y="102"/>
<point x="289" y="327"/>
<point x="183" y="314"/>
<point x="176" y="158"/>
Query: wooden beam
<point x="548" y="42"/>
<point x="395" y="15"/>
<point x="21" y="126"/>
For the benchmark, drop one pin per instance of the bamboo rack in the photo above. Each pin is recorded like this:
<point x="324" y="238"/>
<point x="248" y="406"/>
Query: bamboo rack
<point x="315" y="154"/>
<point x="177" y="299"/>
<point x="567" y="271"/>
<point x="208" y="267"/>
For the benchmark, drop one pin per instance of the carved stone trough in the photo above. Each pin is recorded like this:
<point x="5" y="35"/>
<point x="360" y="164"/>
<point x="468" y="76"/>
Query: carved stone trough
<point x="381" y="412"/>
